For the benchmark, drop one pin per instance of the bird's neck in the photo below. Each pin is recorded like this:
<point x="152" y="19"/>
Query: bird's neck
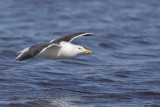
<point x="67" y="50"/>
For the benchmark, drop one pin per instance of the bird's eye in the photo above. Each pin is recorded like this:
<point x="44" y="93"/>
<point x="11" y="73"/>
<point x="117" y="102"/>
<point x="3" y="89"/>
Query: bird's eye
<point x="79" y="48"/>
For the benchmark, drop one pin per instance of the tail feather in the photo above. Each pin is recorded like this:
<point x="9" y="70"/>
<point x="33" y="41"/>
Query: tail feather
<point x="15" y="60"/>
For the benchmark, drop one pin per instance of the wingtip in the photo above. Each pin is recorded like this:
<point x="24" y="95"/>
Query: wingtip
<point x="92" y="34"/>
<point x="89" y="34"/>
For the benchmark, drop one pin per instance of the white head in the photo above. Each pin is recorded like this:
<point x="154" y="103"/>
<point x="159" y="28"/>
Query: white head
<point x="70" y="50"/>
<point x="79" y="49"/>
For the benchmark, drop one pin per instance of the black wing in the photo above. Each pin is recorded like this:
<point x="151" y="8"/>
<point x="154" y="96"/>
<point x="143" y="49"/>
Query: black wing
<point x="69" y="38"/>
<point x="31" y="51"/>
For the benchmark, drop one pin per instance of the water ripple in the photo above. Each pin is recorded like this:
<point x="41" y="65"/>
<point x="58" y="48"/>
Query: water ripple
<point x="122" y="71"/>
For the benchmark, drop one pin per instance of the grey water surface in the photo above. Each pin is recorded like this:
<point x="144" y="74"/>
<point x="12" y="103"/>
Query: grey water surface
<point x="122" y="71"/>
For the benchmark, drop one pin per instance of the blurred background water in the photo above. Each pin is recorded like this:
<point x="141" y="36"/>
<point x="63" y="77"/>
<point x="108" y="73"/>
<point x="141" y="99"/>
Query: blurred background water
<point x="123" y="71"/>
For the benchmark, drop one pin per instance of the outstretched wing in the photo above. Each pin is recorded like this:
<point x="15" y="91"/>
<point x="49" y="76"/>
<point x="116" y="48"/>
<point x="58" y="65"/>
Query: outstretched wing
<point x="31" y="51"/>
<point x="50" y="51"/>
<point x="69" y="38"/>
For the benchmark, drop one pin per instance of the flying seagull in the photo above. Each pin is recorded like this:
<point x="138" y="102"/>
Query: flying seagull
<point x="58" y="48"/>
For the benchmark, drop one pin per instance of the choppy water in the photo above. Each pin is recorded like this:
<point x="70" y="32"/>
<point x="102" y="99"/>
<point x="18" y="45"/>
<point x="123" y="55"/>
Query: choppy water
<point x="123" y="71"/>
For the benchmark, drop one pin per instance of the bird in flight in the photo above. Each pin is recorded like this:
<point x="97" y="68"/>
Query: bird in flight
<point x="59" y="48"/>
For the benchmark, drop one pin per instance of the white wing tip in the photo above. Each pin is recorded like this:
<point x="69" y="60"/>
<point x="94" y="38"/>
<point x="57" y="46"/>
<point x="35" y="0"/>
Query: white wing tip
<point x="88" y="34"/>
<point x="24" y="50"/>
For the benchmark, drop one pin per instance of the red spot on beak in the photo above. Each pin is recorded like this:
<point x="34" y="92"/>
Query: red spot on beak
<point x="87" y="51"/>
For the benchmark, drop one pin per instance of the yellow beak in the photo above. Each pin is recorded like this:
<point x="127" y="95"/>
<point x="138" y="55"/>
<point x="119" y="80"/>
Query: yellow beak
<point x="87" y="51"/>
